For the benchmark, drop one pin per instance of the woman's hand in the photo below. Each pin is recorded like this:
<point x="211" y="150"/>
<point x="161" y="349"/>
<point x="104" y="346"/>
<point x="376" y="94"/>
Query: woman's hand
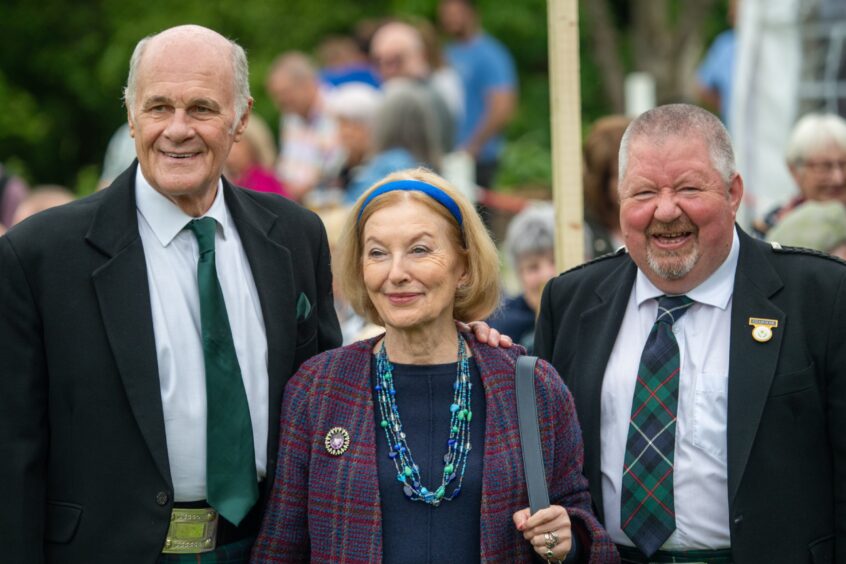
<point x="548" y="531"/>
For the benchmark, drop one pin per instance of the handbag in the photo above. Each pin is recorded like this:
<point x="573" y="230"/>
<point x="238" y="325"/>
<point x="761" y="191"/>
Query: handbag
<point x="527" y="417"/>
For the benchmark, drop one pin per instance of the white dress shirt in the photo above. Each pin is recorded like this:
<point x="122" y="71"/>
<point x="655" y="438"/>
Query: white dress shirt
<point x="171" y="254"/>
<point x="700" y="474"/>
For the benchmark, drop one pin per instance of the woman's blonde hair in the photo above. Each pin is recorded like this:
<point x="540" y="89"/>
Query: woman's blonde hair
<point x="475" y="299"/>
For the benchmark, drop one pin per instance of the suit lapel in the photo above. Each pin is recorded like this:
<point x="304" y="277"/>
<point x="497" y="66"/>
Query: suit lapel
<point x="594" y="339"/>
<point x="123" y="295"/>
<point x="752" y="364"/>
<point x="272" y="269"/>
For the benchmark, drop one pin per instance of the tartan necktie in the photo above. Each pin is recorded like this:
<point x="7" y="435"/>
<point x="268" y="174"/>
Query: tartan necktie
<point x="231" y="485"/>
<point x="647" y="512"/>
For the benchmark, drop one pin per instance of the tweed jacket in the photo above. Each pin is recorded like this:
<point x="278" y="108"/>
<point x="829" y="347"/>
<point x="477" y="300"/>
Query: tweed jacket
<point x="327" y="508"/>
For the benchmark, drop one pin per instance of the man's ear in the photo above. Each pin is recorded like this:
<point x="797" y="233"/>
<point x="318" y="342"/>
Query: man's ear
<point x="245" y="119"/>
<point x="735" y="191"/>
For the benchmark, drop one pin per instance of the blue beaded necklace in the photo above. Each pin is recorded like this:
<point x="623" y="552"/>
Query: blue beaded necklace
<point x="458" y="444"/>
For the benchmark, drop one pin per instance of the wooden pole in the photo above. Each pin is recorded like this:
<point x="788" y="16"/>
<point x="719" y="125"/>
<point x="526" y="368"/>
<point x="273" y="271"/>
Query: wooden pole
<point x="566" y="116"/>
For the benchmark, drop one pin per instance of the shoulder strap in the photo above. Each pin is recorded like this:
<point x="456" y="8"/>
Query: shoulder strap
<point x="527" y="415"/>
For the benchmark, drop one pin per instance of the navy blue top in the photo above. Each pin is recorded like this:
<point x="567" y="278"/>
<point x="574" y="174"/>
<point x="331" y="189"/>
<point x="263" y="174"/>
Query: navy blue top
<point x="414" y="531"/>
<point x="517" y="320"/>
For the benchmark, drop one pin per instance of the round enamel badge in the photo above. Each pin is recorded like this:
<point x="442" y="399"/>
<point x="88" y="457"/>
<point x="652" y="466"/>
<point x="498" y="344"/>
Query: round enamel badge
<point x="762" y="333"/>
<point x="762" y="328"/>
<point x="337" y="441"/>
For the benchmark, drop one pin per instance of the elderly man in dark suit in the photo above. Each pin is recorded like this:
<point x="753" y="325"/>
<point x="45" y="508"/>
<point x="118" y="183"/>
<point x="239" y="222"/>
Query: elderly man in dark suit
<point x="708" y="369"/>
<point x="147" y="333"/>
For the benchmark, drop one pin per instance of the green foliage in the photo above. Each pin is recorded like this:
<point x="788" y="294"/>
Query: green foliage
<point x="63" y="65"/>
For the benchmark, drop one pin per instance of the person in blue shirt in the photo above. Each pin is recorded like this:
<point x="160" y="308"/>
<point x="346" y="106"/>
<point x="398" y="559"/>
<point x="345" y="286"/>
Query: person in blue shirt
<point x="715" y="75"/>
<point x="490" y="85"/>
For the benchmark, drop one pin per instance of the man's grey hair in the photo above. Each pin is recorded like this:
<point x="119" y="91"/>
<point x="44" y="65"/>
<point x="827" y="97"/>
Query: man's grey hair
<point x="813" y="133"/>
<point x="681" y="121"/>
<point x="240" y="68"/>
<point x="531" y="232"/>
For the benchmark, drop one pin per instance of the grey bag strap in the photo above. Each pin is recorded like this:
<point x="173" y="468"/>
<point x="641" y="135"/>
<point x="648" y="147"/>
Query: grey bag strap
<point x="527" y="415"/>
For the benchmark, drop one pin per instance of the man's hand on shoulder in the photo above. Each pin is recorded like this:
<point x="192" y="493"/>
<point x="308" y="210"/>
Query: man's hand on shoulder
<point x="485" y="334"/>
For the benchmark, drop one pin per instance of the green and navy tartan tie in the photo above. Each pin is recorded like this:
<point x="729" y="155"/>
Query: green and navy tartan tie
<point x="231" y="484"/>
<point x="647" y="512"/>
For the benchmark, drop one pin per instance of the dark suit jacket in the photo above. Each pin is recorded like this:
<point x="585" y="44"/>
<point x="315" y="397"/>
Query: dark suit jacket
<point x="786" y="397"/>
<point x="83" y="456"/>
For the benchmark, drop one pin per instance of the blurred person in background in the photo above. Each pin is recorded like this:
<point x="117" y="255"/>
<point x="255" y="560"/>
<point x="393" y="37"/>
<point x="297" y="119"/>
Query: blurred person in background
<point x="343" y="61"/>
<point x="445" y="79"/>
<point x="405" y="135"/>
<point x="814" y="225"/>
<point x="42" y="198"/>
<point x="251" y="158"/>
<point x="354" y="327"/>
<point x="715" y="75"/>
<point x="119" y="155"/>
<point x="816" y="157"/>
<point x="399" y="52"/>
<point x="355" y="106"/>
<point x="490" y="86"/>
<point x="13" y="190"/>
<point x="530" y="249"/>
<point x="601" y="168"/>
<point x="310" y="151"/>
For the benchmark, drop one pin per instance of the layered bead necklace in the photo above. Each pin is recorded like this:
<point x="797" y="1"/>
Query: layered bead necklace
<point x="458" y="444"/>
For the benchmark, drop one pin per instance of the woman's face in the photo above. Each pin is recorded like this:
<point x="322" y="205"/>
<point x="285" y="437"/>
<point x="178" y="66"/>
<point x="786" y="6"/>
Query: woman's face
<point x="534" y="271"/>
<point x="411" y="269"/>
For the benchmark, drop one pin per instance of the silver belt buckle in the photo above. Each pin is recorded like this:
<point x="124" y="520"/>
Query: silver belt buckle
<point x="191" y="531"/>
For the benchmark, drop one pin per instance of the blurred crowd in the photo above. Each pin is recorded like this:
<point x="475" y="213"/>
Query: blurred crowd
<point x="397" y="94"/>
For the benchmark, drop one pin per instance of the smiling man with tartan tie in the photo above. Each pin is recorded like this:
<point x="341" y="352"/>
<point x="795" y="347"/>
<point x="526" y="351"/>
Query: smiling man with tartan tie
<point x="708" y="369"/>
<point x="147" y="333"/>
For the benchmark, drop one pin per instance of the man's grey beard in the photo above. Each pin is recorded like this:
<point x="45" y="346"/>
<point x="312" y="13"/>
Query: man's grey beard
<point x="674" y="271"/>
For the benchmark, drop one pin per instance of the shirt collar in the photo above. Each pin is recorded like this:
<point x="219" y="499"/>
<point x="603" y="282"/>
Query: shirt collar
<point x="715" y="291"/>
<point x="166" y="219"/>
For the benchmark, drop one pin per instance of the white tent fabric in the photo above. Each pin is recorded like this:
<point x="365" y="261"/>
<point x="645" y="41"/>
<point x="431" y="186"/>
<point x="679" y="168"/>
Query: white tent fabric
<point x="765" y="101"/>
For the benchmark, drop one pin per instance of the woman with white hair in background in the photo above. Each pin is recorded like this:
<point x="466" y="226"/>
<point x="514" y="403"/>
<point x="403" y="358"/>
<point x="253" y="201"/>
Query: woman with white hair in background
<point x="384" y="132"/>
<point x="816" y="157"/>
<point x="530" y="248"/>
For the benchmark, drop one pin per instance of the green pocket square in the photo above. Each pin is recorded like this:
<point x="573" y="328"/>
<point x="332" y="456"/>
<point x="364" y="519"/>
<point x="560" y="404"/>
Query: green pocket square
<point x="303" y="307"/>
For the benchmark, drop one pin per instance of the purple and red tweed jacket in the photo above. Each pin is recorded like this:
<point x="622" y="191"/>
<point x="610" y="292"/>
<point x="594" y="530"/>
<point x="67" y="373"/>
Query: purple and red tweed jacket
<point x="326" y="508"/>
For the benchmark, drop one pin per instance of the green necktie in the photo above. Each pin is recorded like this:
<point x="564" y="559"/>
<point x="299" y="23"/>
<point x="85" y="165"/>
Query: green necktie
<point x="647" y="513"/>
<point x="231" y="485"/>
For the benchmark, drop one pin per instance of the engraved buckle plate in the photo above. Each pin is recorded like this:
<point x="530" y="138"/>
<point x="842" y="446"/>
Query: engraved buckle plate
<point x="191" y="531"/>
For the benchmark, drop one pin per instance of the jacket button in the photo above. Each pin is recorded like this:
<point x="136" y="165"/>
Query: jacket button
<point x="738" y="520"/>
<point x="162" y="498"/>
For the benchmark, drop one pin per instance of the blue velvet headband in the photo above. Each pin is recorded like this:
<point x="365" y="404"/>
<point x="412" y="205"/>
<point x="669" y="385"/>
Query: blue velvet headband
<point x="417" y="186"/>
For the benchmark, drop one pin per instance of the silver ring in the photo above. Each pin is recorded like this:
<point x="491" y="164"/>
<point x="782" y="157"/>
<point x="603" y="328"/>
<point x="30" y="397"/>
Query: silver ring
<point x="550" y="539"/>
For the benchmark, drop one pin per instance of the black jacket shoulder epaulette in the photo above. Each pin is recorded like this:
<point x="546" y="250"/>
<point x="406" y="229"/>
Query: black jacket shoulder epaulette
<point x="619" y="252"/>
<point x="782" y="249"/>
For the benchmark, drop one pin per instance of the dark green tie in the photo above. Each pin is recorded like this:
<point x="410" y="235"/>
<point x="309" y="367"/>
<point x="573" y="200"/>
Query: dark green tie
<point x="647" y="513"/>
<point x="231" y="485"/>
